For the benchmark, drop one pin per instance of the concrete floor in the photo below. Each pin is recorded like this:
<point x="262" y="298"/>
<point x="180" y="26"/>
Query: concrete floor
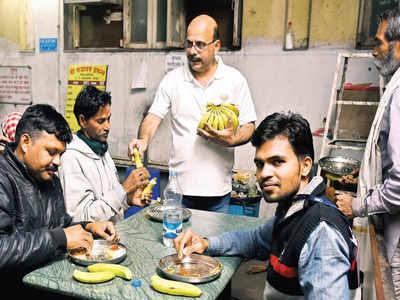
<point x="248" y="286"/>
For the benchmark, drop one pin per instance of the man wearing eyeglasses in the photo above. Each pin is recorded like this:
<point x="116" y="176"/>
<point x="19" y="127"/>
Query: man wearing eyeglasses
<point x="203" y="159"/>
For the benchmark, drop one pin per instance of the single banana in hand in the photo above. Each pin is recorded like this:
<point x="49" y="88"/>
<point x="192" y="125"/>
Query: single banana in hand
<point x="96" y="277"/>
<point x="118" y="270"/>
<point x="233" y="117"/>
<point x="148" y="188"/>
<point x="204" y="119"/>
<point x="224" y="120"/>
<point x="210" y="120"/>
<point x="220" y="121"/>
<point x="174" y="287"/>
<point x="138" y="160"/>
<point x="232" y="107"/>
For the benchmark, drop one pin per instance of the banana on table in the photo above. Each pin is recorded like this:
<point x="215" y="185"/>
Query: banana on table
<point x="174" y="287"/>
<point x="217" y="116"/>
<point x="102" y="272"/>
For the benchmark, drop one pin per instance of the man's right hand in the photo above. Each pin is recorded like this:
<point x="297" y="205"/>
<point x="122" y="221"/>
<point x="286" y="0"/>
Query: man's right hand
<point x="78" y="237"/>
<point x="137" y="179"/>
<point x="188" y="242"/>
<point x="139" y="144"/>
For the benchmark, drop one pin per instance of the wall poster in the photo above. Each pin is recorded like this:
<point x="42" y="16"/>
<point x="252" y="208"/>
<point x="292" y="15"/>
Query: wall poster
<point x="79" y="76"/>
<point x="15" y="84"/>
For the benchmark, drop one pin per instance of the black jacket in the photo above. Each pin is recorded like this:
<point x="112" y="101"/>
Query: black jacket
<point x="32" y="218"/>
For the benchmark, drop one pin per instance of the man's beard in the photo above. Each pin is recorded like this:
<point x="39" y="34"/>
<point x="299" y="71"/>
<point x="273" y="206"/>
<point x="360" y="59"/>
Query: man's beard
<point x="388" y="64"/>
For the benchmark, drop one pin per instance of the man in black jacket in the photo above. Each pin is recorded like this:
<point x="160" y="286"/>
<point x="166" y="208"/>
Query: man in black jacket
<point x="34" y="225"/>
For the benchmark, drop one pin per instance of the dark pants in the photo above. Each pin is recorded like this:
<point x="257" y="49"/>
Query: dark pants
<point x="217" y="204"/>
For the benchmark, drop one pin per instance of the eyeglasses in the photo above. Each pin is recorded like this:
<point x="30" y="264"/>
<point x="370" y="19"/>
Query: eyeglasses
<point x="198" y="45"/>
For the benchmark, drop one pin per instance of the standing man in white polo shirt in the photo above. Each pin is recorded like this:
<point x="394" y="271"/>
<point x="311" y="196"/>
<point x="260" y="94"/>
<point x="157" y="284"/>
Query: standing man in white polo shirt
<point x="202" y="159"/>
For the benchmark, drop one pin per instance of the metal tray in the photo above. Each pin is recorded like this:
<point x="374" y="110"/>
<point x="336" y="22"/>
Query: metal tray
<point x="195" y="268"/>
<point x="156" y="213"/>
<point x="338" y="165"/>
<point x="98" y="254"/>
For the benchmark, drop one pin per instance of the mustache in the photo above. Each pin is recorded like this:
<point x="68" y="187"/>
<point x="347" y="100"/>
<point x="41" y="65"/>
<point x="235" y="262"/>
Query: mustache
<point x="105" y="132"/>
<point x="194" y="58"/>
<point x="51" y="168"/>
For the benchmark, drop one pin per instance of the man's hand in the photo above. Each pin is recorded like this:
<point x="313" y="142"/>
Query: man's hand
<point x="78" y="237"/>
<point x="137" y="179"/>
<point x="225" y="137"/>
<point x="104" y="229"/>
<point x="344" y="202"/>
<point x="139" y="144"/>
<point x="188" y="242"/>
<point x="135" y="198"/>
<point x="352" y="178"/>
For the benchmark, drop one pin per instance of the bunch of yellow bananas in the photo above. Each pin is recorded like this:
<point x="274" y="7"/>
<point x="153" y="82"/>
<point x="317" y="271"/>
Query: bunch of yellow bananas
<point x="217" y="116"/>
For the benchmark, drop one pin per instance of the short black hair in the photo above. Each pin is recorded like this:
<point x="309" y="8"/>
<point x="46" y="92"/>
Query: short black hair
<point x="39" y="117"/>
<point x="89" y="100"/>
<point x="291" y="125"/>
<point x="392" y="16"/>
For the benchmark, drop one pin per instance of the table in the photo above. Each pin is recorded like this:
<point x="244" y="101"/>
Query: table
<point x="144" y="242"/>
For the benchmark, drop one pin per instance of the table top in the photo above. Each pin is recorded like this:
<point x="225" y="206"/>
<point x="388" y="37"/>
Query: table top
<point x="143" y="238"/>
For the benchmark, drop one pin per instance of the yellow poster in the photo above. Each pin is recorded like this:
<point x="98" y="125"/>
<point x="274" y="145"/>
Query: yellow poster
<point x="78" y="76"/>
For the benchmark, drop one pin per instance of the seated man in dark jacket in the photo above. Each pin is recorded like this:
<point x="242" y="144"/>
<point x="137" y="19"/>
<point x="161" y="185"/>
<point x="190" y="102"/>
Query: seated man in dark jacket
<point x="34" y="225"/>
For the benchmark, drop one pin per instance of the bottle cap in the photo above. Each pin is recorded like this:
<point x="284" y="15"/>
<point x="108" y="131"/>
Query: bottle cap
<point x="136" y="283"/>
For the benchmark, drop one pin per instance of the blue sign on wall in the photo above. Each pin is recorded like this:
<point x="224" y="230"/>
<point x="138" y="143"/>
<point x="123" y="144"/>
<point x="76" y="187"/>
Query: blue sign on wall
<point x="48" y="45"/>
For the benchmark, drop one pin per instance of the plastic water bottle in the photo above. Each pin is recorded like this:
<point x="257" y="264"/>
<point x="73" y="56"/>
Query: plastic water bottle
<point x="172" y="219"/>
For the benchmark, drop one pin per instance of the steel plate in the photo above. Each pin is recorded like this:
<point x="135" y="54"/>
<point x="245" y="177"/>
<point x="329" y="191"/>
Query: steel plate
<point x="97" y="254"/>
<point x="156" y="213"/>
<point x="338" y="165"/>
<point x="195" y="268"/>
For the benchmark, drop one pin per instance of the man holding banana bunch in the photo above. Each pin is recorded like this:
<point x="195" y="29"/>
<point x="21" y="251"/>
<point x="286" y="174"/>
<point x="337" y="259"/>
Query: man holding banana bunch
<point x="88" y="175"/>
<point x="211" y="112"/>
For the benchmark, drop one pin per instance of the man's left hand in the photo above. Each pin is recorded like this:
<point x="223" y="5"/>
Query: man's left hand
<point x="344" y="202"/>
<point x="135" y="198"/>
<point x="225" y="137"/>
<point x="104" y="229"/>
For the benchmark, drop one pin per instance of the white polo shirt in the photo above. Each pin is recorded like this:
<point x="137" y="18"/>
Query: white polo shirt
<point x="204" y="167"/>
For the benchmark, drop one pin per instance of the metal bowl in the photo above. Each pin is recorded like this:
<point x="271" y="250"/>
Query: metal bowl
<point x="156" y="213"/>
<point x="196" y="268"/>
<point x="338" y="165"/>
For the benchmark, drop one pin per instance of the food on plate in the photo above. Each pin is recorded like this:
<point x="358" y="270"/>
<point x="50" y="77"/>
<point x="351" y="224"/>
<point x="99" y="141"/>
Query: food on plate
<point x="80" y="253"/>
<point x="174" y="287"/>
<point x="217" y="116"/>
<point x="118" y="270"/>
<point x="114" y="251"/>
<point x="89" y="277"/>
<point x="99" y="252"/>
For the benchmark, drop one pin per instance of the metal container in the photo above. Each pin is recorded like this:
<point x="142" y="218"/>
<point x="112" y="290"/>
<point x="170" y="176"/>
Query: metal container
<point x="195" y="268"/>
<point x="338" y="165"/>
<point x="156" y="212"/>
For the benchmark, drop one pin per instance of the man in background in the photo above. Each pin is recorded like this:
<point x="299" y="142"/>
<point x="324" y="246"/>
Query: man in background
<point x="203" y="159"/>
<point x="379" y="179"/>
